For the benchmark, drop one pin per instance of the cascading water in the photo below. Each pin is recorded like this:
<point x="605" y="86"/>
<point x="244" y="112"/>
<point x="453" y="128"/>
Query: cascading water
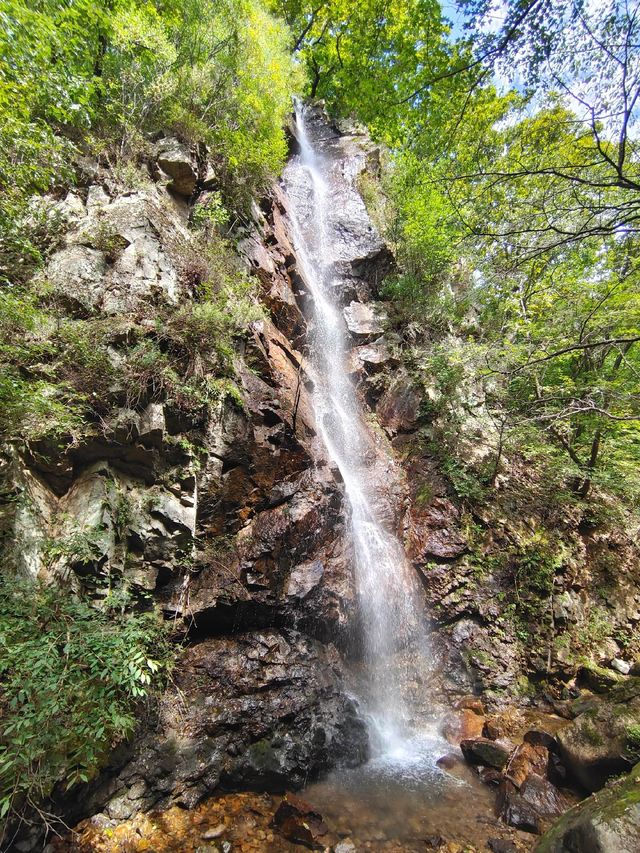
<point x="395" y="647"/>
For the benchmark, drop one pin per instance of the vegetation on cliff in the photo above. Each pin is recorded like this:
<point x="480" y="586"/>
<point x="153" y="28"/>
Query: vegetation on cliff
<point x="510" y="193"/>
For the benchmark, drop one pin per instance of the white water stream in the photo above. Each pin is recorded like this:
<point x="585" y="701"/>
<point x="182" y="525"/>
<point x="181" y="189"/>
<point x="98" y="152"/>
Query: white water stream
<point x="394" y="644"/>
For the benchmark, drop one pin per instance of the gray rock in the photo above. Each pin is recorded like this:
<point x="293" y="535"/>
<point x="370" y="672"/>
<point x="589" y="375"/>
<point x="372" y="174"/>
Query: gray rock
<point x="345" y="846"/>
<point x="304" y="578"/>
<point x="364" y="320"/>
<point x="620" y="666"/>
<point x="214" y="832"/>
<point x="177" y="161"/>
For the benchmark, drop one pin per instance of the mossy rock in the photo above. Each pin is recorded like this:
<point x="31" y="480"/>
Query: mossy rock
<point x="597" y="744"/>
<point x="598" y="679"/>
<point x="606" y="822"/>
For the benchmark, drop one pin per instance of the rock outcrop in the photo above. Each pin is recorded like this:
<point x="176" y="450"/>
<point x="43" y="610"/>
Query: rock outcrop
<point x="231" y="519"/>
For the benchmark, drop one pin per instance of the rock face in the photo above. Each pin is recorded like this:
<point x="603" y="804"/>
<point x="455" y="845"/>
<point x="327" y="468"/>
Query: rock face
<point x="240" y="542"/>
<point x="259" y="710"/>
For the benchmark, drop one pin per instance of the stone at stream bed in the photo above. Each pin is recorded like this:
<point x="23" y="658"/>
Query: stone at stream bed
<point x="448" y="761"/>
<point x="606" y="822"/>
<point x="542" y="795"/>
<point x="517" y="812"/>
<point x="346" y="846"/>
<point x="298" y="821"/>
<point x="501" y="845"/>
<point x="487" y="752"/>
<point x="214" y="832"/>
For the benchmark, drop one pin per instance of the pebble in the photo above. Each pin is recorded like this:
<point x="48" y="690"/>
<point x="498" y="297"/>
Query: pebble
<point x="215" y="832"/>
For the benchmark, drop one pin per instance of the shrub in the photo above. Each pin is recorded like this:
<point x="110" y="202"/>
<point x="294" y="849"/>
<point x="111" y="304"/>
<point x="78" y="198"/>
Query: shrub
<point x="71" y="677"/>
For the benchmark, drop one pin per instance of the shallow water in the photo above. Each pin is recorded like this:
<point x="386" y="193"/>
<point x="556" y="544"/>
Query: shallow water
<point x="399" y="800"/>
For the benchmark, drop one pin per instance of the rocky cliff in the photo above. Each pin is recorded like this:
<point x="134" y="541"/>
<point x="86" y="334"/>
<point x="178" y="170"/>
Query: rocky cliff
<point x="229" y="515"/>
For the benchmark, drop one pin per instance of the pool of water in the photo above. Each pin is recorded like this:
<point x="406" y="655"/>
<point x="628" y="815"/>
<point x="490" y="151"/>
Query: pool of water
<point x="401" y="799"/>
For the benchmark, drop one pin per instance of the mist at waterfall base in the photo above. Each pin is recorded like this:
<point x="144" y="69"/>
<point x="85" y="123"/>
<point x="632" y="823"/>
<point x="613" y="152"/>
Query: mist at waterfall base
<point x="392" y="687"/>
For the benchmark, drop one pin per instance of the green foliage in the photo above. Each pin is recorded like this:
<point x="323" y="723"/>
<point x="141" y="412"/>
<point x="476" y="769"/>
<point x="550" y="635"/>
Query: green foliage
<point x="70" y="681"/>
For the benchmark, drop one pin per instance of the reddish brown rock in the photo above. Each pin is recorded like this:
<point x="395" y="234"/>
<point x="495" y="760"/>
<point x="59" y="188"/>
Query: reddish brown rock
<point x="542" y="795"/>
<point x="462" y="725"/>
<point x="434" y="532"/>
<point x="298" y="821"/>
<point x="517" y="812"/>
<point x="398" y="408"/>
<point x="525" y="760"/>
<point x="472" y="703"/>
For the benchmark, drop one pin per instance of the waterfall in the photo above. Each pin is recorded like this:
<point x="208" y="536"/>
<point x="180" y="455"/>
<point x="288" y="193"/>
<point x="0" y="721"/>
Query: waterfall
<point x="393" y="642"/>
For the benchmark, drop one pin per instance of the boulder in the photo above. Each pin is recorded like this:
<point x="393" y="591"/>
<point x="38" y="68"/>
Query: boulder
<point x="606" y="822"/>
<point x="488" y="753"/>
<point x="462" y="725"/>
<point x="527" y="759"/>
<point x="595" y="745"/>
<point x="598" y="679"/>
<point x="515" y="811"/>
<point x="177" y="161"/>
<point x="542" y="795"/>
<point x="448" y="761"/>
<point x="621" y="666"/>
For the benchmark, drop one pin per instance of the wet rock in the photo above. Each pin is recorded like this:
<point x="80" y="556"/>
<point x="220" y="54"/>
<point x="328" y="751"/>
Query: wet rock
<point x="490" y="776"/>
<point x="556" y="771"/>
<point x="542" y="795"/>
<point x="262" y="710"/>
<point x="486" y="752"/>
<point x="298" y="821"/>
<point x="526" y="759"/>
<point x="462" y="725"/>
<point x="471" y="703"/>
<point x="606" y="822"/>
<point x="449" y="761"/>
<point x="304" y="578"/>
<point x="517" y="812"/>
